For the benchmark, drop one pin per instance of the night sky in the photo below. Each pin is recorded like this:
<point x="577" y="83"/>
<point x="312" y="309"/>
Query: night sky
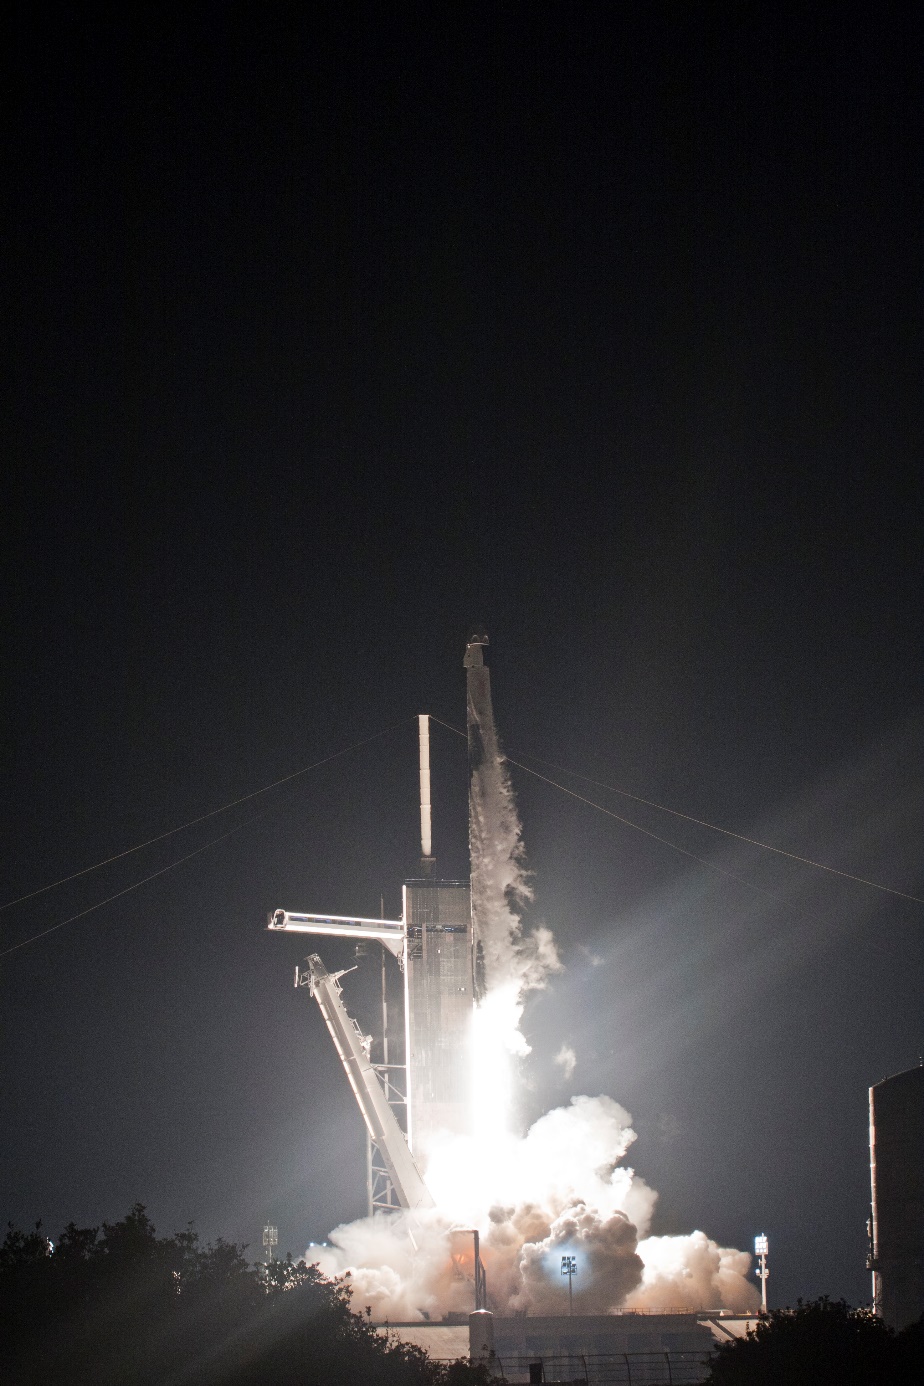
<point x="336" y="331"/>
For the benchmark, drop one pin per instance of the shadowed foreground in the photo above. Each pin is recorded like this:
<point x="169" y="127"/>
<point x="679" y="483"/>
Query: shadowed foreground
<point x="819" y="1343"/>
<point x="124" y="1306"/>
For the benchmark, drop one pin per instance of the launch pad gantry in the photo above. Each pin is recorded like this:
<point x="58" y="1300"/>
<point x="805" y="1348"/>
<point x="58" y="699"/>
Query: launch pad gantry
<point x="435" y="943"/>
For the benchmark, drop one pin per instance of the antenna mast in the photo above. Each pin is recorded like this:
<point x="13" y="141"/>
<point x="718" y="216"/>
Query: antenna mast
<point x="426" y="840"/>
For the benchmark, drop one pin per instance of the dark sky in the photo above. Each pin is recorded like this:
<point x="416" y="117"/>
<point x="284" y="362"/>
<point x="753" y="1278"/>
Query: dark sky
<point x="336" y="331"/>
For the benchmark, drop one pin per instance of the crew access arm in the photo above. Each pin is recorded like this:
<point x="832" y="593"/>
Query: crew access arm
<point x="378" y="1115"/>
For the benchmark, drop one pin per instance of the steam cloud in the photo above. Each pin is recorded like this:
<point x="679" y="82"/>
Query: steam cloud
<point x="560" y="1188"/>
<point x="566" y="1060"/>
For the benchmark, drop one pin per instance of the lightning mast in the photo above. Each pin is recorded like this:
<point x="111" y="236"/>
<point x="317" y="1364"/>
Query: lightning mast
<point x="426" y="826"/>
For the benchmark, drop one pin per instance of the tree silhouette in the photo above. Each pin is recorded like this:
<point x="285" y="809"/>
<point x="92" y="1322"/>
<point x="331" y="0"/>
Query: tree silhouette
<point x="122" y="1307"/>
<point x="820" y="1342"/>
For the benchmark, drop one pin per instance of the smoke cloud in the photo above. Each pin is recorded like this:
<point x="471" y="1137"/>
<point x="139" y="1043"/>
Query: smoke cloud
<point x="693" y="1272"/>
<point x="566" y="1060"/>
<point x="560" y="1189"/>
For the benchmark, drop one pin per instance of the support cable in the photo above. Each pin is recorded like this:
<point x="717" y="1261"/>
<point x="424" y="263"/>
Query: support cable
<point x="675" y="847"/>
<point x="171" y="832"/>
<point x="700" y="822"/>
<point x="127" y="889"/>
<point x="727" y="832"/>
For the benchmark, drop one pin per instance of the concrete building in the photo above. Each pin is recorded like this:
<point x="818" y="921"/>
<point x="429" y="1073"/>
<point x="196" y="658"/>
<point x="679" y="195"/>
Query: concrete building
<point x="673" y="1349"/>
<point x="896" y="1147"/>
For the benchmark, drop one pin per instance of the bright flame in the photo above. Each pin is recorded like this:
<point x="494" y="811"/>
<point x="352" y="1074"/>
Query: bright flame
<point x="495" y="1040"/>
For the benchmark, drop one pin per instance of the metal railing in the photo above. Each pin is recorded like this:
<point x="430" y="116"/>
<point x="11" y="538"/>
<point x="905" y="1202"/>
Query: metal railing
<point x="667" y="1367"/>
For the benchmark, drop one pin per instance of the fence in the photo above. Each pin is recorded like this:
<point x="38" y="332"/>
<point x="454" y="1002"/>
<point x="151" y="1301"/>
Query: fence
<point x="666" y="1368"/>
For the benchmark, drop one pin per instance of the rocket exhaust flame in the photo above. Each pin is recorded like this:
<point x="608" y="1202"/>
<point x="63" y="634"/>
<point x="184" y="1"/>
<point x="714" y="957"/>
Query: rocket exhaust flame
<point x="560" y="1189"/>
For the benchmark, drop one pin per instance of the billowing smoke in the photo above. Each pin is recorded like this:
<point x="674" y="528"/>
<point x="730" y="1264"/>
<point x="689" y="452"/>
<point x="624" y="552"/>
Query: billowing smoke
<point x="559" y="1189"/>
<point x="566" y="1060"/>
<point x="693" y="1272"/>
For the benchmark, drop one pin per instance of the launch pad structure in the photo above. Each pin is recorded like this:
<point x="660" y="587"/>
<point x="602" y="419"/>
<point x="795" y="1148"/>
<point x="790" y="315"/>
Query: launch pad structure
<point x="435" y="942"/>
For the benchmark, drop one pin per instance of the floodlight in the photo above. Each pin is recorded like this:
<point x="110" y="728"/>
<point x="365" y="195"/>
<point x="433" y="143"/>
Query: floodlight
<point x="270" y="1241"/>
<point x="761" y="1251"/>
<point x="569" y="1268"/>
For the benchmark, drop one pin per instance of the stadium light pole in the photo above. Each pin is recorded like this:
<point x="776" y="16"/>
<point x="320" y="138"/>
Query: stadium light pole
<point x="761" y="1250"/>
<point x="569" y="1268"/>
<point x="270" y="1242"/>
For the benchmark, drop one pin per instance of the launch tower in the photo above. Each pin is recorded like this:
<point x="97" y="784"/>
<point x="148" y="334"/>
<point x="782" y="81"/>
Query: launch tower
<point x="439" y="996"/>
<point x="404" y="1106"/>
